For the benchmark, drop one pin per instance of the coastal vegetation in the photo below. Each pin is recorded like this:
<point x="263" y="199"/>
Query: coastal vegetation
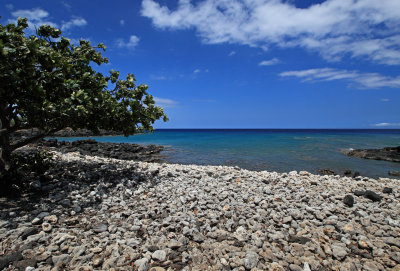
<point x="48" y="83"/>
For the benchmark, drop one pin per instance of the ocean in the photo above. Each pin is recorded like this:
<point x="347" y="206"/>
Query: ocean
<point x="271" y="149"/>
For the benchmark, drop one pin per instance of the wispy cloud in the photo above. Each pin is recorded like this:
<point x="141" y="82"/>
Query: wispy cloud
<point x="163" y="102"/>
<point x="269" y="62"/>
<point x="196" y="71"/>
<point x="232" y="53"/>
<point x="360" y="29"/>
<point x="9" y="6"/>
<point x="161" y="77"/>
<point x="386" y="124"/>
<point x="131" y="44"/>
<point x="122" y="22"/>
<point x="37" y="17"/>
<point x="384" y="100"/>
<point x="73" y="22"/>
<point x="356" y="78"/>
<point x="66" y="5"/>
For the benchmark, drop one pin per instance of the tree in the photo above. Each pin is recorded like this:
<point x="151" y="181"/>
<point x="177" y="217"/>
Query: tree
<point x="49" y="84"/>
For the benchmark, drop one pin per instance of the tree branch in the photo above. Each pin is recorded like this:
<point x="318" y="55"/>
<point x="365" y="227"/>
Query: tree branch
<point x="27" y="141"/>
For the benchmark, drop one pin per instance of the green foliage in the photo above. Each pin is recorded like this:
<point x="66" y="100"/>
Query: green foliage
<point x="37" y="162"/>
<point x="24" y="166"/>
<point x="49" y="83"/>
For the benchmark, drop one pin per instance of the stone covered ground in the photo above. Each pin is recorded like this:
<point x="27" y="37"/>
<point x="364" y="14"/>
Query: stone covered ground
<point x="96" y="213"/>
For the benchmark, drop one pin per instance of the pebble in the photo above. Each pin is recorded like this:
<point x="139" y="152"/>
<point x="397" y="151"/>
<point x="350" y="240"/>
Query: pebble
<point x="251" y="260"/>
<point x="47" y="227"/>
<point x="159" y="255"/>
<point x="348" y="200"/>
<point x="100" y="228"/>
<point x="187" y="217"/>
<point x="372" y="195"/>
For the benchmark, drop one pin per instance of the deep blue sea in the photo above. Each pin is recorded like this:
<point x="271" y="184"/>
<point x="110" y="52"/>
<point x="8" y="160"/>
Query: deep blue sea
<point x="272" y="150"/>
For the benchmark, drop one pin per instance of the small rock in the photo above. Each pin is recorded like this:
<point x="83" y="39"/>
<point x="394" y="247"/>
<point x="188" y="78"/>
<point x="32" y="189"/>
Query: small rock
<point x="36" y="221"/>
<point x="36" y="185"/>
<point x="51" y="219"/>
<point x="359" y="193"/>
<point x="30" y="268"/>
<point x="65" y="203"/>
<point x="372" y="196"/>
<point x="173" y="244"/>
<point x="306" y="267"/>
<point x="295" y="267"/>
<point x="47" y="227"/>
<point x="97" y="260"/>
<point x="100" y="228"/>
<point x="142" y="264"/>
<point x="29" y="231"/>
<point x="301" y="240"/>
<point x="61" y="259"/>
<point x="339" y="252"/>
<point x="387" y="190"/>
<point x="251" y="260"/>
<point x="159" y="255"/>
<point x="348" y="200"/>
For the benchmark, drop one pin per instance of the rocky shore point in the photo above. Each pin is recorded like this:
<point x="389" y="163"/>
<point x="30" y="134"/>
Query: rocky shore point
<point x="97" y="213"/>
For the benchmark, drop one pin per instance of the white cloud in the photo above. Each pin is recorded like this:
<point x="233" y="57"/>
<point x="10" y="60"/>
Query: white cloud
<point x="384" y="100"/>
<point x="73" y="22"/>
<point x="232" y="53"/>
<point x="36" y="14"/>
<point x="122" y="22"/>
<point x="163" y="102"/>
<point x="36" y="17"/>
<point x="385" y="124"/>
<point x="360" y="80"/>
<point x="131" y="44"/>
<point x="359" y="28"/>
<point x="269" y="62"/>
<point x="196" y="71"/>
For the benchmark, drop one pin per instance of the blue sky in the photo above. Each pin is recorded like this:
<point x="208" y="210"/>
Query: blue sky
<point x="245" y="63"/>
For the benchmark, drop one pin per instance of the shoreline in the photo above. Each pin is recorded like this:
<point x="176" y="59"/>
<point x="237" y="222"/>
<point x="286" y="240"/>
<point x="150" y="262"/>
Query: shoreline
<point x="103" y="213"/>
<point x="158" y="153"/>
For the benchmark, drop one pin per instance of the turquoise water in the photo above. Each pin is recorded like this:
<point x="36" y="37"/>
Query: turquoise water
<point x="272" y="150"/>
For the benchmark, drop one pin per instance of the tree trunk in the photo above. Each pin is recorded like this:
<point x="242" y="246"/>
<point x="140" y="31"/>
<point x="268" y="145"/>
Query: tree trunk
<point x="5" y="152"/>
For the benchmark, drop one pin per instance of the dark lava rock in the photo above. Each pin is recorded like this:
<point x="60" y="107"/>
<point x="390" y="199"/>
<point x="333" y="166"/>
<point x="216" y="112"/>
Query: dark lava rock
<point x="348" y="200"/>
<point x="7" y="259"/>
<point x="391" y="154"/>
<point x="300" y="240"/>
<point x="356" y="174"/>
<point x="372" y="195"/>
<point x="347" y="172"/>
<point x="387" y="190"/>
<point x="28" y="232"/>
<point x="394" y="173"/>
<point x="326" y="171"/>
<point x="359" y="193"/>
<point x="123" y="151"/>
<point x="152" y="248"/>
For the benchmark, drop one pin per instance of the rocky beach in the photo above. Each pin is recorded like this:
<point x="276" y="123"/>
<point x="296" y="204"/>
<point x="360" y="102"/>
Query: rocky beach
<point x="99" y="213"/>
